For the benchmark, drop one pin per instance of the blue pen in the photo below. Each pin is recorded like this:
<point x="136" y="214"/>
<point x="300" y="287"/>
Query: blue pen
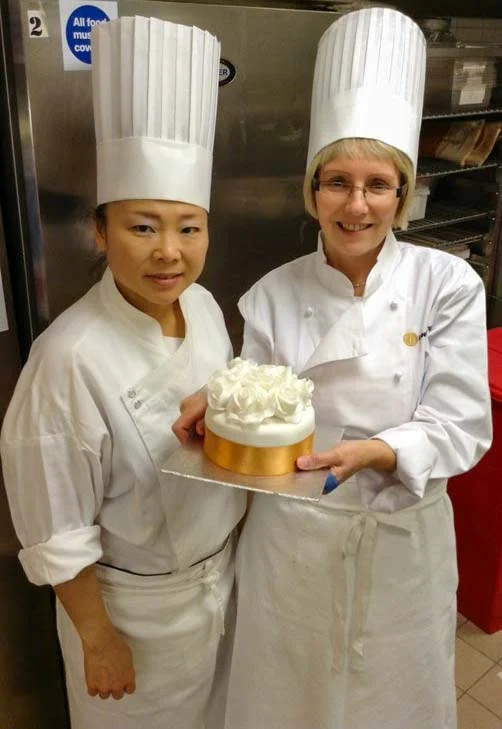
<point x="331" y="483"/>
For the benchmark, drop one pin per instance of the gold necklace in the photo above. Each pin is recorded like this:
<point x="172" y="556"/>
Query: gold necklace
<point x="358" y="285"/>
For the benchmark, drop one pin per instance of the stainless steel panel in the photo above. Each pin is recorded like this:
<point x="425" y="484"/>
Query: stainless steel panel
<point x="19" y="196"/>
<point x="257" y="219"/>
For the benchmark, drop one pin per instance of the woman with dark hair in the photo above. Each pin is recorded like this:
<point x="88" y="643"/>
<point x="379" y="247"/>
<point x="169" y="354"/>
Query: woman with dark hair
<point x="142" y="568"/>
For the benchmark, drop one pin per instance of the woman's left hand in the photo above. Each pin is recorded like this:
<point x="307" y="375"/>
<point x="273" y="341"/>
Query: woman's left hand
<point x="191" y="420"/>
<point x="350" y="456"/>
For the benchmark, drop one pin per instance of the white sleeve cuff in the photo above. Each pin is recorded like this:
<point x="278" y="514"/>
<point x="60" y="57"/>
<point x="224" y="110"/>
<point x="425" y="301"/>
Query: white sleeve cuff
<point x="62" y="557"/>
<point x="415" y="456"/>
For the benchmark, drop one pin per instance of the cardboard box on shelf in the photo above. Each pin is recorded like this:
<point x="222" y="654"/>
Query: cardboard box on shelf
<point x="485" y="144"/>
<point x="469" y="142"/>
<point x="459" y="141"/>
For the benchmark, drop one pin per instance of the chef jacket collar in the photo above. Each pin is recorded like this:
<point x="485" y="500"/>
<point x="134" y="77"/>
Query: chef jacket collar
<point x="137" y="322"/>
<point x="336" y="282"/>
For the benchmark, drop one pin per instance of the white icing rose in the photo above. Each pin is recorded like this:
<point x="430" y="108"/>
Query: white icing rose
<point x="272" y="373"/>
<point x="222" y="385"/>
<point x="288" y="406"/>
<point x="250" y="404"/>
<point x="251" y="394"/>
<point x="238" y="369"/>
<point x="219" y="389"/>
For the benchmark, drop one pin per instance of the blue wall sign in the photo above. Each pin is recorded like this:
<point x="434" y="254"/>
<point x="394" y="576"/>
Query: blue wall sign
<point x="78" y="30"/>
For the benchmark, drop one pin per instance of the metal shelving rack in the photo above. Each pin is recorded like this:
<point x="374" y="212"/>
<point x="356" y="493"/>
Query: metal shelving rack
<point x="465" y="228"/>
<point x="444" y="217"/>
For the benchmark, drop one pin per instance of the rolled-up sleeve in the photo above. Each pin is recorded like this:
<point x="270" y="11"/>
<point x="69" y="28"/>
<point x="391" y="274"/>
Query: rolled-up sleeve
<point x="52" y="446"/>
<point x="451" y="426"/>
<point x="61" y="557"/>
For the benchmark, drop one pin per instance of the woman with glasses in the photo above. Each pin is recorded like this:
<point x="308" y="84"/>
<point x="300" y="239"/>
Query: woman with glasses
<point x="346" y="608"/>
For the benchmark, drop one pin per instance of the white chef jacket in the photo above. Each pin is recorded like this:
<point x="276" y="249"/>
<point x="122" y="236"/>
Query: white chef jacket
<point x="429" y="400"/>
<point x="346" y="607"/>
<point x="88" y="429"/>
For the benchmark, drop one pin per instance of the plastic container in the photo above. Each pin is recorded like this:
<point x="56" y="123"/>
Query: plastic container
<point x="477" y="506"/>
<point x="419" y="203"/>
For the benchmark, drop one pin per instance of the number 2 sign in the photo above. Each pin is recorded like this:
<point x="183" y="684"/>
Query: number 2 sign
<point x="36" y="24"/>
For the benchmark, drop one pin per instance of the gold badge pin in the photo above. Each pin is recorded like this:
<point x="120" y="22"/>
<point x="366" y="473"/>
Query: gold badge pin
<point x="410" y="339"/>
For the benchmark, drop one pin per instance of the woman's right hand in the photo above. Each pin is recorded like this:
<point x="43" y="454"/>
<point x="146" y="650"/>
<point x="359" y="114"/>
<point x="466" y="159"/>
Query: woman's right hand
<point x="191" y="420"/>
<point x="108" y="665"/>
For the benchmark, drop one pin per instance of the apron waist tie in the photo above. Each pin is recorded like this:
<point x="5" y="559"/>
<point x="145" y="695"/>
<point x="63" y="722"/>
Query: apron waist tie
<point x="211" y="578"/>
<point x="210" y="581"/>
<point x="360" y="544"/>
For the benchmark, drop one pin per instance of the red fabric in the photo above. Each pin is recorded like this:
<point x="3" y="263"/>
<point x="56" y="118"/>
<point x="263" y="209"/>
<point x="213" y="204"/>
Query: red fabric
<point x="495" y="362"/>
<point x="477" y="508"/>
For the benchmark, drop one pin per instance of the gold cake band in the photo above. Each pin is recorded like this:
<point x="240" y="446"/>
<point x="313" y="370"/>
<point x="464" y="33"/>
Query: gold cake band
<point x="254" y="461"/>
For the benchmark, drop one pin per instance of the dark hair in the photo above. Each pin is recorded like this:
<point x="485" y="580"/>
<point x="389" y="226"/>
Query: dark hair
<point x="100" y="217"/>
<point x="99" y="263"/>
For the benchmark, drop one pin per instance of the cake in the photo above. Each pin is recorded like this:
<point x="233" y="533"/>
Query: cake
<point x="259" y="418"/>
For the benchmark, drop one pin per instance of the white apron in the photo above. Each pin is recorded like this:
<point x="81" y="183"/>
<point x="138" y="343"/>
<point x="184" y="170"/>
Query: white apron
<point x="334" y="627"/>
<point x="173" y="625"/>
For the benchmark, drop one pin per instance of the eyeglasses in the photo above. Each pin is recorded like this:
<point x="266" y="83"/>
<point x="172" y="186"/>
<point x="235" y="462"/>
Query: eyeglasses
<point x="375" y="191"/>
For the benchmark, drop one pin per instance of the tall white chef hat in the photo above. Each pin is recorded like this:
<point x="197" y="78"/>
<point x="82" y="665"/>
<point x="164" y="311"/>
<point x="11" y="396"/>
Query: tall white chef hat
<point x="369" y="81"/>
<point x="155" y="90"/>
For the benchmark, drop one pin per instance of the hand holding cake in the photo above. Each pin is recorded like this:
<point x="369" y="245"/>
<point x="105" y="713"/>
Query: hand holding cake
<point x="191" y="420"/>
<point x="348" y="457"/>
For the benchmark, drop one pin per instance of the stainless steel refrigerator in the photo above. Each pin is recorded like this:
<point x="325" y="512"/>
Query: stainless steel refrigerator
<point x="47" y="192"/>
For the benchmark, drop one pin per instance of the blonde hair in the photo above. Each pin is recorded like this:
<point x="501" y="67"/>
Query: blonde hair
<point x="358" y="147"/>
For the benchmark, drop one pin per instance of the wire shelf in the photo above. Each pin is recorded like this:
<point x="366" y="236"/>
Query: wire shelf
<point x="431" y="167"/>
<point x="441" y="214"/>
<point x="451" y="239"/>
<point x="455" y="114"/>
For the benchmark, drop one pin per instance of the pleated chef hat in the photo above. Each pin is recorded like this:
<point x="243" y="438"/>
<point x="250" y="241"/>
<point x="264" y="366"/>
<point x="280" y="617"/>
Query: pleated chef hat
<point x="155" y="90"/>
<point x="369" y="81"/>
